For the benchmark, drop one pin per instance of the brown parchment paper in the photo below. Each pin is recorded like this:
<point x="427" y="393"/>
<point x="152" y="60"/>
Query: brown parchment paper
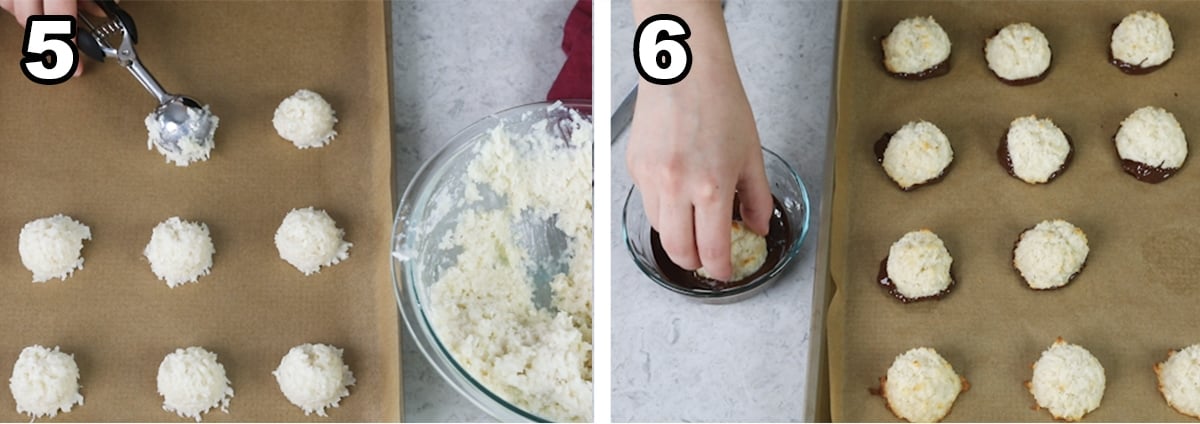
<point x="1137" y="296"/>
<point x="80" y="149"/>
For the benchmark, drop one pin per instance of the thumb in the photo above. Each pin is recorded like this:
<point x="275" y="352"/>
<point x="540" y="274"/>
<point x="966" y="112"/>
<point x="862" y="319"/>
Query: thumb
<point x="754" y="194"/>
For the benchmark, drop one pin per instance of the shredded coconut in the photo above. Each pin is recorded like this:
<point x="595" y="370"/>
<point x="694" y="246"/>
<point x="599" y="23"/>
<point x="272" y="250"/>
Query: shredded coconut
<point x="305" y="119"/>
<point x="309" y="239"/>
<point x="1017" y="52"/>
<point x="917" y="153"/>
<point x="1037" y="148"/>
<point x="915" y="45"/>
<point x="921" y="386"/>
<point x="314" y="377"/>
<point x="45" y="382"/>
<point x="919" y="264"/>
<point x="1152" y="136"/>
<point x="192" y="382"/>
<point x="747" y="251"/>
<point x="52" y="247"/>
<point x="1179" y="380"/>
<point x="1068" y="381"/>
<point x="1142" y="39"/>
<point x="196" y="147"/>
<point x="180" y="251"/>
<point x="483" y="305"/>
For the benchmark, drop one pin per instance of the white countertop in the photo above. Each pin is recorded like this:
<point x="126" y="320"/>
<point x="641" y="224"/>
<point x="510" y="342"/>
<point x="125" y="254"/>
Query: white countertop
<point x="455" y="62"/>
<point x="678" y="360"/>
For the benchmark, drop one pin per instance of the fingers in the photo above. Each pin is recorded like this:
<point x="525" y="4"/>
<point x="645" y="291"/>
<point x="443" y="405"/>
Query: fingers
<point x="676" y="232"/>
<point x="712" y="234"/>
<point x="23" y="9"/>
<point x="63" y="7"/>
<point x="754" y="192"/>
<point x="650" y="205"/>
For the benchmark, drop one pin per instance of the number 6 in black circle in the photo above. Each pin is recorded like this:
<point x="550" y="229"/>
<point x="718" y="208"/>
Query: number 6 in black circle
<point x="659" y="51"/>
<point x="50" y="55"/>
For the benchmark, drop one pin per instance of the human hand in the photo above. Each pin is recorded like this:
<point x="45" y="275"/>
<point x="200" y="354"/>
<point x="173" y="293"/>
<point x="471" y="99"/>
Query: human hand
<point x="23" y="9"/>
<point x="692" y="145"/>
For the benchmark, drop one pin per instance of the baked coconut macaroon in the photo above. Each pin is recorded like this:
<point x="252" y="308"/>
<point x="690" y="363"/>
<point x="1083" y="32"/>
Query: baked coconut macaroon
<point x="917" y="267"/>
<point x="1151" y="144"/>
<point x="1050" y="254"/>
<point x="1141" y="43"/>
<point x="921" y="386"/>
<point x="1018" y="54"/>
<point x="1034" y="150"/>
<point x="1067" y="381"/>
<point x="748" y="252"/>
<point x="916" y="49"/>
<point x="1179" y="380"/>
<point x="915" y="155"/>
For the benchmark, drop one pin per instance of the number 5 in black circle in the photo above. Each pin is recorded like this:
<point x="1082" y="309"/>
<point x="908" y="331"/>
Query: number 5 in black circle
<point x="659" y="50"/>
<point x="50" y="56"/>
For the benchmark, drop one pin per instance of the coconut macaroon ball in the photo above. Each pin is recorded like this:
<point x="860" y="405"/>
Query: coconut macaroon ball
<point x="1152" y="137"/>
<point x="180" y="251"/>
<point x="305" y="119"/>
<point x="1036" y="150"/>
<point x="52" y="247"/>
<point x="915" y="47"/>
<point x="916" y="154"/>
<point x="309" y="239"/>
<point x="1050" y="254"/>
<point x="1068" y="381"/>
<point x="313" y="377"/>
<point x="748" y="251"/>
<point x="1018" y="53"/>
<point x="192" y="382"/>
<point x="44" y="382"/>
<point x="918" y="266"/>
<point x="1141" y="42"/>
<point x="196" y="146"/>
<point x="1179" y="380"/>
<point x="921" y="386"/>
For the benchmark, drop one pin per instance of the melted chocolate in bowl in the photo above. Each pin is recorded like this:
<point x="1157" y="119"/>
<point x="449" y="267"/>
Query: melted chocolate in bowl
<point x="886" y="281"/>
<point x="1006" y="159"/>
<point x="881" y="146"/>
<point x="1130" y="68"/>
<point x="778" y="238"/>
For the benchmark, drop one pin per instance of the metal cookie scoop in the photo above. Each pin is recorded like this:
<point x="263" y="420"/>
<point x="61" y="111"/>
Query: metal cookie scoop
<point x="179" y="118"/>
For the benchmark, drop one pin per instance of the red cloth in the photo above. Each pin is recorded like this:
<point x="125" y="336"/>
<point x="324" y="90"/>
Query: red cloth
<point x="575" y="79"/>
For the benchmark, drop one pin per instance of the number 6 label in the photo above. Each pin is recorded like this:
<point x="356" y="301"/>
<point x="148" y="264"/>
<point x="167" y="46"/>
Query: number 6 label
<point x="50" y="55"/>
<point x="659" y="51"/>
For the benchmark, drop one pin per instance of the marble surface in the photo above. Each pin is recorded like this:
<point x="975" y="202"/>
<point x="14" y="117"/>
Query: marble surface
<point x="678" y="360"/>
<point x="454" y="62"/>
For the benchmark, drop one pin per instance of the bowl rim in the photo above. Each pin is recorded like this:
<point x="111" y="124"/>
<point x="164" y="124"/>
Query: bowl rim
<point x="790" y="255"/>
<point x="403" y="281"/>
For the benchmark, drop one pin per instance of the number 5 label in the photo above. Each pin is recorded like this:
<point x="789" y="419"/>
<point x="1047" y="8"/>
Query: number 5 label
<point x="659" y="50"/>
<point x="50" y="55"/>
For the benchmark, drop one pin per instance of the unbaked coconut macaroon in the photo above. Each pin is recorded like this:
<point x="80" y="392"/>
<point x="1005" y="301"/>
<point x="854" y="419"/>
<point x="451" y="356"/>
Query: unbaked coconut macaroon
<point x="180" y="251"/>
<point x="1141" y="43"/>
<point x="192" y="382"/>
<point x="917" y="267"/>
<point x="1018" y="54"/>
<point x="1068" y="381"/>
<point x="52" y="247"/>
<point x="917" y="48"/>
<point x="45" y="382"/>
<point x="305" y="119"/>
<point x="747" y="250"/>
<point x="309" y="239"/>
<point x="921" y="386"/>
<point x="1151" y="144"/>
<point x="1035" y="150"/>
<point x="313" y="377"/>
<point x="1179" y="380"/>
<point x="916" y="154"/>
<point x="1050" y="254"/>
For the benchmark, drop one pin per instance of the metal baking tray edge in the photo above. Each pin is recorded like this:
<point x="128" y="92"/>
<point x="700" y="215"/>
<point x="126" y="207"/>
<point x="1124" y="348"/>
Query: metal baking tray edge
<point x="817" y="402"/>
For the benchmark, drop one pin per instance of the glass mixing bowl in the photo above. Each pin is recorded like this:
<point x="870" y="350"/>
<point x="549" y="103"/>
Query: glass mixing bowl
<point x="421" y="222"/>
<point x="787" y="188"/>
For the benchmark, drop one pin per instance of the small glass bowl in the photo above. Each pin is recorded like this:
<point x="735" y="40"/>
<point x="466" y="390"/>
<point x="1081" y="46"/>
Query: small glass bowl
<point x="421" y="222"/>
<point x="787" y="188"/>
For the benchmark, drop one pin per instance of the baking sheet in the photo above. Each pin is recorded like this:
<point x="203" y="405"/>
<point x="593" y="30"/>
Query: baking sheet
<point x="80" y="149"/>
<point x="1136" y="297"/>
